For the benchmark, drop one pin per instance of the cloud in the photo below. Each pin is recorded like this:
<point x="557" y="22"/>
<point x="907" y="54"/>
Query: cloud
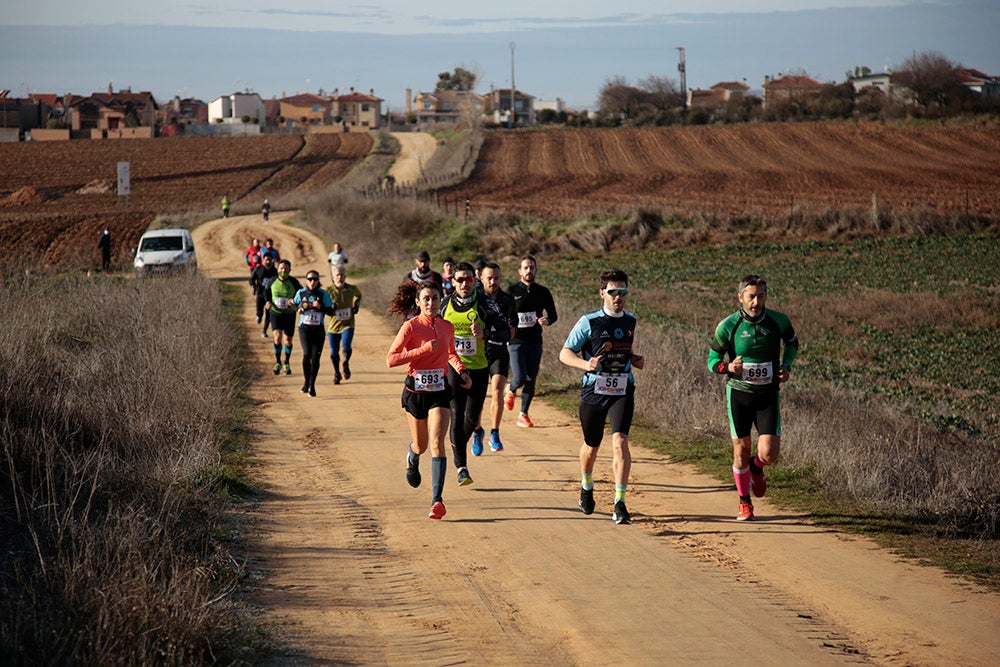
<point x="528" y="22"/>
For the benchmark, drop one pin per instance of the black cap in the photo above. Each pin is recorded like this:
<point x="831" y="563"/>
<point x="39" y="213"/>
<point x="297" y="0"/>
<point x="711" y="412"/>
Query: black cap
<point x="423" y="256"/>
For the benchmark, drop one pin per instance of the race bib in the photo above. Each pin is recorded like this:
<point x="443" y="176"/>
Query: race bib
<point x="281" y="302"/>
<point x="429" y="380"/>
<point x="525" y="320"/>
<point x="465" y="345"/>
<point x="611" y="384"/>
<point x="342" y="314"/>
<point x="311" y="317"/>
<point x="757" y="373"/>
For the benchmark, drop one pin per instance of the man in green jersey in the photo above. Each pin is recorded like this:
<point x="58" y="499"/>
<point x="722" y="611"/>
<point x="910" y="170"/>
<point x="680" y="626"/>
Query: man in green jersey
<point x="476" y="318"/>
<point x="281" y="305"/>
<point x="755" y="348"/>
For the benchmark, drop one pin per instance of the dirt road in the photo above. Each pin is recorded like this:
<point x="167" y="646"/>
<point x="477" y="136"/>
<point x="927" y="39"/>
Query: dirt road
<point x="416" y="148"/>
<point x="516" y="574"/>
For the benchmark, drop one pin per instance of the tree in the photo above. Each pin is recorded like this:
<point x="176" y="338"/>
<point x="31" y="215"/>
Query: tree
<point x="460" y="79"/>
<point x="661" y="92"/>
<point x="618" y="99"/>
<point x="932" y="80"/>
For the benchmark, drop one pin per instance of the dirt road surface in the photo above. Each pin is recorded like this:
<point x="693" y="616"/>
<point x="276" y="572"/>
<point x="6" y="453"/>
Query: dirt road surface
<point x="515" y="574"/>
<point x="415" y="149"/>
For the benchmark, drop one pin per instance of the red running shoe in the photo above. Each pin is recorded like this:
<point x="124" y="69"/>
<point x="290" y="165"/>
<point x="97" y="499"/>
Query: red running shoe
<point x="437" y="510"/>
<point x="508" y="400"/>
<point x="524" y="421"/>
<point x="746" y="512"/>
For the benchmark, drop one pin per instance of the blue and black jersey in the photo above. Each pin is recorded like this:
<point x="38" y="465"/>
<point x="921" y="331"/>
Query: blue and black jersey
<point x="599" y="334"/>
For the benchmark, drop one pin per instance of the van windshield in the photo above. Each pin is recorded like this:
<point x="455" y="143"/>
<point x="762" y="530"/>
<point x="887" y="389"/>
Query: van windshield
<point x="156" y="243"/>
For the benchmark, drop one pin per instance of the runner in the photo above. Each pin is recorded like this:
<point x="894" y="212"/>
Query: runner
<point x="472" y="314"/>
<point x="269" y="249"/>
<point x="535" y="309"/>
<point x="226" y="204"/>
<point x="346" y="303"/>
<point x="497" y="357"/>
<point x="260" y="280"/>
<point x="336" y="258"/>
<point x="600" y="344"/>
<point x="447" y="272"/>
<point x="252" y="255"/>
<point x="424" y="272"/>
<point x="752" y="339"/>
<point x="314" y="303"/>
<point x="265" y="209"/>
<point x="280" y="294"/>
<point x="426" y="345"/>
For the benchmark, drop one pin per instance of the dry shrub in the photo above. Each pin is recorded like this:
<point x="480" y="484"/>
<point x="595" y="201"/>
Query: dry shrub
<point x="117" y="397"/>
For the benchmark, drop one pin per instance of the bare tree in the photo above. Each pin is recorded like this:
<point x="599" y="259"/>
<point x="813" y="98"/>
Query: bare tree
<point x="931" y="78"/>
<point x="661" y="92"/>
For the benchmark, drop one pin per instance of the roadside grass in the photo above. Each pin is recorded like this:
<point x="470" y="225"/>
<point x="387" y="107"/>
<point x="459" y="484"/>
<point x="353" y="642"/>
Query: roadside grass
<point x="123" y="456"/>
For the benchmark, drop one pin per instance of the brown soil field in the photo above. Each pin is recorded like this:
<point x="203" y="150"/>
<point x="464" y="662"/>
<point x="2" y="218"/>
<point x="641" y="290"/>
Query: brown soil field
<point x="738" y="170"/>
<point x="56" y="198"/>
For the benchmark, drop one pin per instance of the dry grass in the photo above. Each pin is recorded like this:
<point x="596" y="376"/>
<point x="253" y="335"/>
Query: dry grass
<point x="117" y="400"/>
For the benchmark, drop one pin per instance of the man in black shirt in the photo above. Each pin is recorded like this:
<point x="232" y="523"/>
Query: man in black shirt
<point x="534" y="308"/>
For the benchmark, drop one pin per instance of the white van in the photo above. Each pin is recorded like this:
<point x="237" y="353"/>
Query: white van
<point x="164" y="249"/>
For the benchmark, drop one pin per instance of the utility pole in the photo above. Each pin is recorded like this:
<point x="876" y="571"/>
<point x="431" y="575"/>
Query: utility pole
<point x="510" y="120"/>
<point x="682" y="68"/>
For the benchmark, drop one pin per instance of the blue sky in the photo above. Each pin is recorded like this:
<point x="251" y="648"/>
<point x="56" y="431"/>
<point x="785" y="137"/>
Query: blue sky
<point x="562" y="49"/>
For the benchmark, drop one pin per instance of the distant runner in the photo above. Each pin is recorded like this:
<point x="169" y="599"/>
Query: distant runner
<point x="280" y="294"/>
<point x="600" y="344"/>
<point x="747" y="347"/>
<point x="423" y="271"/>
<point x="314" y="303"/>
<point x="340" y="332"/>
<point x="260" y="279"/>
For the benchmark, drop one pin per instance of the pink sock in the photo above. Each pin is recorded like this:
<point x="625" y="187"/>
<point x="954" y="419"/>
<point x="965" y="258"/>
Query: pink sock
<point x="758" y="462"/>
<point x="742" y="477"/>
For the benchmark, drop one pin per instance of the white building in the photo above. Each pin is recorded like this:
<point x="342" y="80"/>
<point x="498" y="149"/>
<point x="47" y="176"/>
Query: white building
<point x="556" y="105"/>
<point x="232" y="108"/>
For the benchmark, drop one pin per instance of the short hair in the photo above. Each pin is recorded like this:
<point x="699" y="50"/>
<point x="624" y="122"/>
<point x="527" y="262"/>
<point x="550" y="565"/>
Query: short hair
<point x="613" y="276"/>
<point x="286" y="262"/>
<point x="524" y="257"/>
<point x="751" y="280"/>
<point x="492" y="265"/>
<point x="447" y="260"/>
<point x="463" y="266"/>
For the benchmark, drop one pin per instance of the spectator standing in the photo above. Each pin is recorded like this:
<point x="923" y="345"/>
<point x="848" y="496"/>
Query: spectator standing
<point x="104" y="243"/>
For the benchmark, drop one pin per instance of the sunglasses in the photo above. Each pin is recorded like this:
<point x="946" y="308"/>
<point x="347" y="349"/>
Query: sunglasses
<point x="312" y="279"/>
<point x="466" y="279"/>
<point x="616" y="291"/>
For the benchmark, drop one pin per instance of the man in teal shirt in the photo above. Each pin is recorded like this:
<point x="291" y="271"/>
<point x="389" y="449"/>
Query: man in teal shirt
<point x="755" y="348"/>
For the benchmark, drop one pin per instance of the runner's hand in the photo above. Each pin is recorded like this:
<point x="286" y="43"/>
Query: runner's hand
<point x="466" y="380"/>
<point x="593" y="363"/>
<point x="736" y="366"/>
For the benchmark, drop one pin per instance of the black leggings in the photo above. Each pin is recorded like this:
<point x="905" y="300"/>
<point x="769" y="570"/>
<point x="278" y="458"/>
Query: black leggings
<point x="311" y="338"/>
<point x="466" y="407"/>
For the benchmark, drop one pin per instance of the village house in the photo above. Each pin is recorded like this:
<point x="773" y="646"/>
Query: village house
<point x="111" y="115"/>
<point x="720" y="93"/>
<point x="791" y="87"/>
<point x="986" y="86"/>
<point x="232" y="109"/>
<point x="357" y="109"/>
<point x="499" y="109"/>
<point x="187" y="110"/>
<point x="305" y="109"/>
<point x="445" y="106"/>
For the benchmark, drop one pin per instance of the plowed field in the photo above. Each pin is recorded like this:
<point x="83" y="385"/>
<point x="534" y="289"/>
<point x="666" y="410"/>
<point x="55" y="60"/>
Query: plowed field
<point x="738" y="170"/>
<point x="56" y="198"/>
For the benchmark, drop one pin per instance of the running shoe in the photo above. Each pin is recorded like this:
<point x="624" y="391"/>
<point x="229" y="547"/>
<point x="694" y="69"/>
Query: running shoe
<point x="312" y="390"/>
<point x="757" y="483"/>
<point x="587" y="503"/>
<point x="437" y="510"/>
<point x="508" y="400"/>
<point x="412" y="471"/>
<point x="477" y="441"/>
<point x="347" y="371"/>
<point x="495" y="444"/>
<point x="620" y="515"/>
<point x="464" y="478"/>
<point x="746" y="512"/>
<point x="524" y="421"/>
<point x="305" y="389"/>
<point x="263" y="334"/>
<point x="258" y="319"/>
<point x="277" y="368"/>
<point x="336" y="378"/>
<point x="288" y="369"/>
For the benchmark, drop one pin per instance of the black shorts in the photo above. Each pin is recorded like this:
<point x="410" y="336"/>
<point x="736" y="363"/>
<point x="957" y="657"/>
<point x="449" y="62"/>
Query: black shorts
<point x="420" y="403"/>
<point x="747" y="409"/>
<point x="617" y="412"/>
<point x="283" y="322"/>
<point x="498" y="359"/>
